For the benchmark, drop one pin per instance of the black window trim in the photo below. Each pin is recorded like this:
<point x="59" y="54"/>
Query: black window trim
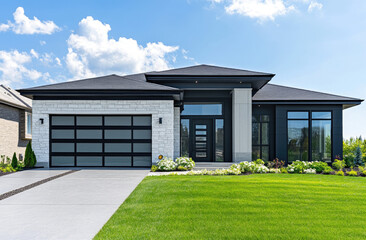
<point x="310" y="128"/>
<point x="260" y="145"/>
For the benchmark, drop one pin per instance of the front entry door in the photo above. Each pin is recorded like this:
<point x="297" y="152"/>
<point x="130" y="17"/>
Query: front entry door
<point x="201" y="140"/>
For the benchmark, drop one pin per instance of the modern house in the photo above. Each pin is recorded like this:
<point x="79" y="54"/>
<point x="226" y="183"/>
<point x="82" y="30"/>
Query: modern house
<point x="210" y="113"/>
<point x="15" y="122"/>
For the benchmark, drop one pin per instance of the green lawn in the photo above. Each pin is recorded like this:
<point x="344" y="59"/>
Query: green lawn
<point x="267" y="206"/>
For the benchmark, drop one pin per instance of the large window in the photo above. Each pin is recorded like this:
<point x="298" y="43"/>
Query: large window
<point x="184" y="134"/>
<point x="29" y="123"/>
<point x="309" y="136"/>
<point x="260" y="137"/>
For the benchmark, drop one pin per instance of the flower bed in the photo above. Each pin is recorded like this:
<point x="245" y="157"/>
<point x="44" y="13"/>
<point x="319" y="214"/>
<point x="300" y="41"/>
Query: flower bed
<point x="258" y="167"/>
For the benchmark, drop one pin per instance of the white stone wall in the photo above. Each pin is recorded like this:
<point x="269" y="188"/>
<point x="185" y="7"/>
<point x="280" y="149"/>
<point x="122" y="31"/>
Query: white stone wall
<point x="163" y="135"/>
<point x="242" y="124"/>
<point x="176" y="132"/>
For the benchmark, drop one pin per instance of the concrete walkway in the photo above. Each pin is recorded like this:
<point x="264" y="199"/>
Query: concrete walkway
<point x="75" y="206"/>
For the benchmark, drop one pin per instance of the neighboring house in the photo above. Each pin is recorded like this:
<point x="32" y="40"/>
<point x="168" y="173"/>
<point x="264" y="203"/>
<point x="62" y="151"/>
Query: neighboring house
<point x="15" y="122"/>
<point x="206" y="112"/>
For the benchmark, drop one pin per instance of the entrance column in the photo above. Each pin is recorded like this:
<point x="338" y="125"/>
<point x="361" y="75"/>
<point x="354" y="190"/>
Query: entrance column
<point x="242" y="124"/>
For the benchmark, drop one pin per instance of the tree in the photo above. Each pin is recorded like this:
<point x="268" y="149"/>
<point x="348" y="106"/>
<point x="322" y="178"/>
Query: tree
<point x="33" y="159"/>
<point x="14" y="161"/>
<point x="358" y="157"/>
<point x="28" y="155"/>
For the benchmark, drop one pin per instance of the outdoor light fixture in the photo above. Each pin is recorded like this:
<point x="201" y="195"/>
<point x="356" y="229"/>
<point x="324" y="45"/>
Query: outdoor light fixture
<point x="160" y="157"/>
<point x="41" y="119"/>
<point x="160" y="120"/>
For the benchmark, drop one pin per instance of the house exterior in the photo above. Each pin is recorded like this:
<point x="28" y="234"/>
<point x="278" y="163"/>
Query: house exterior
<point x="210" y="113"/>
<point x="15" y="122"/>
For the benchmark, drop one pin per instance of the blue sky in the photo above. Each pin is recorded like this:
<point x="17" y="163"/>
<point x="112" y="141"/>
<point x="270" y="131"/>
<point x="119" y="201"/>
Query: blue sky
<point x="312" y="44"/>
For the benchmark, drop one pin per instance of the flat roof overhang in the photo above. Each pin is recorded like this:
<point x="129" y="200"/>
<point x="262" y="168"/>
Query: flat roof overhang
<point x="345" y="104"/>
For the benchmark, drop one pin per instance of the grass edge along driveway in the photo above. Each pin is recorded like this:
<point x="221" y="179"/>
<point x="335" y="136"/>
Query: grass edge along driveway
<point x="261" y="206"/>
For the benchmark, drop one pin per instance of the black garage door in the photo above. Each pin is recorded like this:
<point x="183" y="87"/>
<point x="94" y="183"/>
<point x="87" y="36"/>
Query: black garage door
<point x="100" y="141"/>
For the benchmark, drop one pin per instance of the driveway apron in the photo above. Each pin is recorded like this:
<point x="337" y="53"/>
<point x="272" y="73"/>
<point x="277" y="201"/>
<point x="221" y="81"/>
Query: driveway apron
<point x="75" y="206"/>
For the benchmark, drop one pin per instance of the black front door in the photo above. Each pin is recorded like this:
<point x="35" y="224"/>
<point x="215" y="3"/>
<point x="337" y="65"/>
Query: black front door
<point x="201" y="140"/>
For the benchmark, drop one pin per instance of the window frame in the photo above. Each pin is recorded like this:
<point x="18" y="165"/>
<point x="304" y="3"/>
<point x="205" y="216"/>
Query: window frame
<point x="310" y="129"/>
<point x="260" y="145"/>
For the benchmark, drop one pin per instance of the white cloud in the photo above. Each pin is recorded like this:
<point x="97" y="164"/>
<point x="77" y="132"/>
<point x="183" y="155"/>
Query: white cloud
<point x="42" y="43"/>
<point x="13" y="69"/>
<point x="185" y="55"/>
<point x="23" y="25"/>
<point x="261" y="9"/>
<point x="91" y="52"/>
<point x="265" y="9"/>
<point x="34" y="53"/>
<point x="315" y="6"/>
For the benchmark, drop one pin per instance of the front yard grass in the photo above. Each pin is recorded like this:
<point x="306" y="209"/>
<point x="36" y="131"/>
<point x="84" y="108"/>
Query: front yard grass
<point x="261" y="206"/>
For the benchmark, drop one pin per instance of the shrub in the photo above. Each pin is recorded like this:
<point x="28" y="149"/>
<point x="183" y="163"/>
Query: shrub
<point x="274" y="170"/>
<point x="361" y="169"/>
<point x="358" y="157"/>
<point x="338" y="164"/>
<point x="252" y="167"/>
<point x="185" y="162"/>
<point x="319" y="166"/>
<point x="33" y="159"/>
<point x="259" y="162"/>
<point x="340" y="173"/>
<point x="154" y="168"/>
<point x="14" y="161"/>
<point x="363" y="173"/>
<point x="310" y="171"/>
<point x="28" y="155"/>
<point x="284" y="170"/>
<point x="208" y="172"/>
<point x="348" y="159"/>
<point x="327" y="170"/>
<point x="276" y="163"/>
<point x="352" y="173"/>
<point x="167" y="164"/>
<point x="298" y="166"/>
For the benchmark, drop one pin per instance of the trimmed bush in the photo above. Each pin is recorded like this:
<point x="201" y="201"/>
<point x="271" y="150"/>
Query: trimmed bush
<point x="167" y="164"/>
<point x="33" y="160"/>
<point x="185" y="163"/>
<point x="340" y="173"/>
<point x="352" y="173"/>
<point x="319" y="166"/>
<point x="14" y="161"/>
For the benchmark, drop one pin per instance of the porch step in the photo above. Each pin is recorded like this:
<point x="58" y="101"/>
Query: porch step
<point x="212" y="165"/>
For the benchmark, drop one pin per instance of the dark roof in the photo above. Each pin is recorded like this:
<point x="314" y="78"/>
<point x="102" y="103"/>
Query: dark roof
<point x="109" y="82"/>
<point x="208" y="70"/>
<point x="271" y="92"/>
<point x="13" y="98"/>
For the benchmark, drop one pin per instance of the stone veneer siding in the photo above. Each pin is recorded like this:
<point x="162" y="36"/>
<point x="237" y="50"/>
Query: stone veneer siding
<point x="162" y="134"/>
<point x="11" y="125"/>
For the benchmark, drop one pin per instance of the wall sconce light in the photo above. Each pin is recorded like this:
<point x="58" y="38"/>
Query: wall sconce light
<point x="160" y="120"/>
<point x="41" y="119"/>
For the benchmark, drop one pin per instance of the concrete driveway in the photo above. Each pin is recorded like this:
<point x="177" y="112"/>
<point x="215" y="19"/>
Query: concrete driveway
<point x="75" y="206"/>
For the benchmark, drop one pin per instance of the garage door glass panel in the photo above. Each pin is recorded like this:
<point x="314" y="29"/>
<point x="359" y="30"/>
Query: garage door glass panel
<point x="89" y="147"/>
<point x="62" y="120"/>
<point x="117" y="134"/>
<point x="141" y="134"/>
<point x="141" y="147"/>
<point x="62" y="147"/>
<point x="142" y="121"/>
<point x="117" y="121"/>
<point x="89" y="161"/>
<point x="117" y="147"/>
<point x="89" y="134"/>
<point x="142" y="161"/>
<point x="89" y="121"/>
<point x="119" y="161"/>
<point x="62" y="134"/>
<point x="63" y="161"/>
